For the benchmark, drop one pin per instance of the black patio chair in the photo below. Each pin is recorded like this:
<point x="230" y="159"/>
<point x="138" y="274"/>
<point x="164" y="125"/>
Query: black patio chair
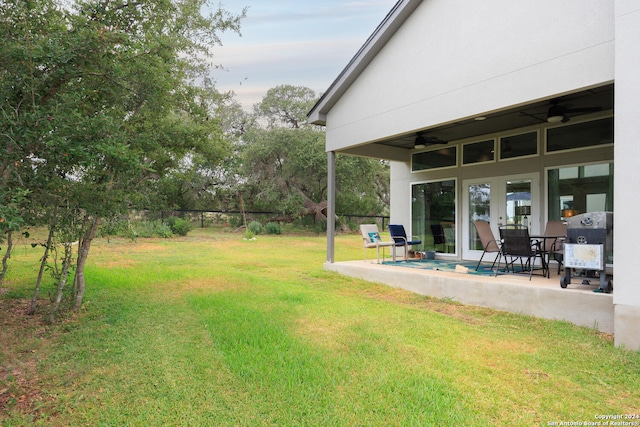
<point x="554" y="247"/>
<point x="438" y="236"/>
<point x="399" y="236"/>
<point x="517" y="245"/>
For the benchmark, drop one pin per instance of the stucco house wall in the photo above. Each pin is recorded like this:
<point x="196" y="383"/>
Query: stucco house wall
<point x="450" y="61"/>
<point x="437" y="62"/>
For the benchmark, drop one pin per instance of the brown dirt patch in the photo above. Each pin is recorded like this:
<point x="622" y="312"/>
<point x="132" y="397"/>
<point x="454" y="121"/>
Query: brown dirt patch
<point x="24" y="343"/>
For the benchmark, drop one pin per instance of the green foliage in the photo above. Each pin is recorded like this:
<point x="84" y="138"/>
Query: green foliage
<point x="235" y="221"/>
<point x="179" y="225"/>
<point x="362" y="185"/>
<point x="100" y="100"/>
<point x="255" y="227"/>
<point x="286" y="105"/>
<point x="284" y="168"/>
<point x="285" y="163"/>
<point x="11" y="203"/>
<point x="117" y="226"/>
<point x="272" y="228"/>
<point x="154" y="228"/>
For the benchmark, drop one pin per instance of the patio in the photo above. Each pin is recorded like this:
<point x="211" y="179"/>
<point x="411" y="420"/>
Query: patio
<point x="541" y="297"/>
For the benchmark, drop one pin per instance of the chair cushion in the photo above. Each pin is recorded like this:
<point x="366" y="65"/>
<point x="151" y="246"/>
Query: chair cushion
<point x="374" y="237"/>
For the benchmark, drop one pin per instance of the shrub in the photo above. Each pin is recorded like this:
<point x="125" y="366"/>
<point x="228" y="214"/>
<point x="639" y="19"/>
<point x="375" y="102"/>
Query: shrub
<point x="179" y="225"/>
<point x="117" y="227"/>
<point x="153" y="229"/>
<point x="255" y="227"/>
<point x="320" y="226"/>
<point x="235" y="221"/>
<point x="272" y="228"/>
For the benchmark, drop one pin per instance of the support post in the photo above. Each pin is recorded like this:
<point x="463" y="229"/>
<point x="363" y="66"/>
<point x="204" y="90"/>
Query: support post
<point x="331" y="205"/>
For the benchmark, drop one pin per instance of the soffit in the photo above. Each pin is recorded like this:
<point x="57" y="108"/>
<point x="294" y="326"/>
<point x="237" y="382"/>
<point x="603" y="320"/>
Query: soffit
<point x="534" y="113"/>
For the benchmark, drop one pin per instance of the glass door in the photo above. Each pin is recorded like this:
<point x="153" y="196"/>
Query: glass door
<point x="498" y="201"/>
<point x="433" y="211"/>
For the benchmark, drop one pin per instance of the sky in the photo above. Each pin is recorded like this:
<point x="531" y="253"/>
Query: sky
<point x="293" y="42"/>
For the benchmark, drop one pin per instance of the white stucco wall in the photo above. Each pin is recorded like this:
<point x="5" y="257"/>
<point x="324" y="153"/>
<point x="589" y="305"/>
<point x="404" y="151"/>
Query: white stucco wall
<point x="455" y="58"/>
<point x="400" y="194"/>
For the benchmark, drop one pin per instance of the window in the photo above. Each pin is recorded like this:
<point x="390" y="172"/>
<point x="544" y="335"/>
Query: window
<point x="581" y="135"/>
<point x="433" y="213"/>
<point x="444" y="157"/>
<point x="525" y="144"/>
<point x="579" y="189"/>
<point x="478" y="152"/>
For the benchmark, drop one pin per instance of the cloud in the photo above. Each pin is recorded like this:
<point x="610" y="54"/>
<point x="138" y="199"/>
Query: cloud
<point x="302" y="43"/>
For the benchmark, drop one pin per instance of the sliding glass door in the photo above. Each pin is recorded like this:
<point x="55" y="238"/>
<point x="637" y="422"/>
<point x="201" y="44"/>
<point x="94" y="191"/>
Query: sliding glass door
<point x="433" y="213"/>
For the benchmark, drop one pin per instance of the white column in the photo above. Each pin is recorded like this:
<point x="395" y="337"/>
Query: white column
<point x="331" y="205"/>
<point x="626" y="235"/>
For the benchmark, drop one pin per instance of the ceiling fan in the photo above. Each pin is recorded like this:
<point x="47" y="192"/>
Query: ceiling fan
<point x="424" y="141"/>
<point x="558" y="113"/>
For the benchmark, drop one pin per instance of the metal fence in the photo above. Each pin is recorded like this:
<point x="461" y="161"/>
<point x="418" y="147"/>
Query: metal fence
<point x="206" y="218"/>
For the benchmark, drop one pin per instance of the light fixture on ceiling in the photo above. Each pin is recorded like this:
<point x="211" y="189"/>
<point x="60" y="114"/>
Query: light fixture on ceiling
<point x="556" y="114"/>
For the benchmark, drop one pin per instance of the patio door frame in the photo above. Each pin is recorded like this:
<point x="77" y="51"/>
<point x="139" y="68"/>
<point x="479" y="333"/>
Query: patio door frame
<point x="497" y="207"/>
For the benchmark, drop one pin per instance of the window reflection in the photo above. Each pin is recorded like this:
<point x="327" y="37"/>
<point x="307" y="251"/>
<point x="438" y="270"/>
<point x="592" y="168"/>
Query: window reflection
<point x="581" y="135"/>
<point x="580" y="189"/>
<point x="514" y="146"/>
<point x="479" y="210"/>
<point x="433" y="213"/>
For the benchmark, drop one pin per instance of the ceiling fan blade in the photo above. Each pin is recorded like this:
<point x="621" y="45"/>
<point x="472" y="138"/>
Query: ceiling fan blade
<point x="582" y="110"/>
<point x="533" y="116"/>
<point x="424" y="141"/>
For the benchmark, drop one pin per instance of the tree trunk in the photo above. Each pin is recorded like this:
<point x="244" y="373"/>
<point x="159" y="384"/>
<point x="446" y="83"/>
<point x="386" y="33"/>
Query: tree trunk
<point x="43" y="263"/>
<point x="7" y="255"/>
<point x="83" y="254"/>
<point x="62" y="281"/>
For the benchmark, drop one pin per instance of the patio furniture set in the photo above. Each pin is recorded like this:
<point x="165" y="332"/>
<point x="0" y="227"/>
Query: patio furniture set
<point x="515" y="244"/>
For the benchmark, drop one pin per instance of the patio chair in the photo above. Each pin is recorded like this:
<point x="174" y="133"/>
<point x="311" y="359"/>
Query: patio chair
<point x="554" y="247"/>
<point x="489" y="242"/>
<point x="438" y="235"/>
<point x="449" y="230"/>
<point x="516" y="244"/>
<point x="371" y="239"/>
<point x="399" y="236"/>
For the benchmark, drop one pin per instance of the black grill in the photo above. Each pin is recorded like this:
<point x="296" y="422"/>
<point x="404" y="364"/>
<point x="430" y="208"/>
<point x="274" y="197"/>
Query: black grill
<point x="593" y="228"/>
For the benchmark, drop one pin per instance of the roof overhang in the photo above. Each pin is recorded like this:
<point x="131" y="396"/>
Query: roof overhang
<point x="586" y="102"/>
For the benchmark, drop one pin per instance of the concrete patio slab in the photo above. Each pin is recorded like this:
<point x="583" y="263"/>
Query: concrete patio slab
<point x="540" y="297"/>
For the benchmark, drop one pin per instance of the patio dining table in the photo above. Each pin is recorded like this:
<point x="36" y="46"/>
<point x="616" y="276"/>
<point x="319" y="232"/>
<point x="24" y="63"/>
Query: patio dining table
<point x="541" y="241"/>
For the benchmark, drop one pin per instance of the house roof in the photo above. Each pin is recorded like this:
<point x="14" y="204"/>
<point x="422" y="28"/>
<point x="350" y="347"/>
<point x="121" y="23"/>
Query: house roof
<point x="382" y="34"/>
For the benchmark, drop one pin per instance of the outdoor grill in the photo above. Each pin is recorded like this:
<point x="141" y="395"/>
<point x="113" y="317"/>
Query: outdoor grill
<point x="588" y="249"/>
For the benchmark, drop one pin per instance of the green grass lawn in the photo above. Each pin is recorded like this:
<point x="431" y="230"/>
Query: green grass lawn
<point x="212" y="330"/>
